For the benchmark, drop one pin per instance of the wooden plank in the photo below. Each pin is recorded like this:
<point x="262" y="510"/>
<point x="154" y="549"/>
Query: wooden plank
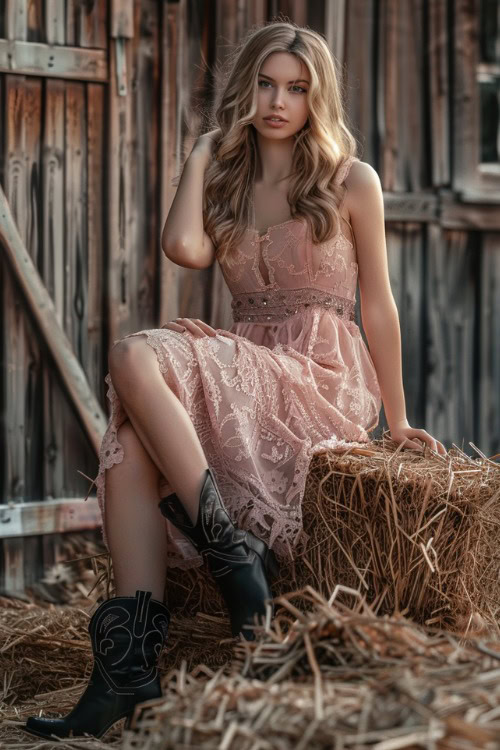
<point x="55" y="22"/>
<point x="410" y="206"/>
<point x="35" y="31"/>
<point x="13" y="565"/>
<point x="53" y="158"/>
<point x="133" y="147"/>
<point x="488" y="381"/>
<point x="14" y="335"/>
<point x="49" y="517"/>
<point x="439" y="92"/>
<point x="386" y="95"/>
<point x="396" y="278"/>
<point x="53" y="194"/>
<point x="360" y="83"/>
<point x="298" y="11"/>
<point x="76" y="279"/>
<point x="455" y="214"/>
<point x="119" y="198"/>
<point x="42" y="309"/>
<point x="95" y="234"/>
<point x="122" y="19"/>
<point x="335" y="26"/>
<point x="450" y="300"/>
<point x="16" y="19"/>
<point x="37" y="59"/>
<point x="144" y="164"/>
<point x="465" y="114"/>
<point x="75" y="240"/>
<point x="70" y="22"/>
<point x="411" y="246"/>
<point x="399" y="96"/>
<point x="91" y="24"/>
<point x="33" y="365"/>
<point x="170" y="156"/>
<point x="414" y="159"/>
<point x="405" y="246"/>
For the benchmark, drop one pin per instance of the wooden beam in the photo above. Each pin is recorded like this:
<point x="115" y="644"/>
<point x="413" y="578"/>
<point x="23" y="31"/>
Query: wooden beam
<point x="49" y="517"/>
<point x="36" y="59"/>
<point x="420" y="206"/>
<point x="442" y="207"/>
<point x="122" y="19"/>
<point x="42" y="308"/>
<point x="470" y="216"/>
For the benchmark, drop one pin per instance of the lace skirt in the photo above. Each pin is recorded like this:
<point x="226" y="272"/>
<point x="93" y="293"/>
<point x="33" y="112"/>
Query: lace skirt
<point x="260" y="411"/>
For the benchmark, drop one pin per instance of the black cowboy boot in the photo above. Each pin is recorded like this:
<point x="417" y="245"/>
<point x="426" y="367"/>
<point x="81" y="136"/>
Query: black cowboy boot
<point x="127" y="635"/>
<point x="239" y="561"/>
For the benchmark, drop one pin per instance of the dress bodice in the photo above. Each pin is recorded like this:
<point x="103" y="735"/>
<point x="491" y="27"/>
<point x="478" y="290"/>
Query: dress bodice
<point x="271" y="276"/>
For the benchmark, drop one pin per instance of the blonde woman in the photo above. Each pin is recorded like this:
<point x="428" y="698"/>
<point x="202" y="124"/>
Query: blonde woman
<point x="216" y="428"/>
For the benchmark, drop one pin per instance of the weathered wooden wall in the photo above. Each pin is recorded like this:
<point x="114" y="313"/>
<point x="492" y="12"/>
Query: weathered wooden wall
<point x="100" y="103"/>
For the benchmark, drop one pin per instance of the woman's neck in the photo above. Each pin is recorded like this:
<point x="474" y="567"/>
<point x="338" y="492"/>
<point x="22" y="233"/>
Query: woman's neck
<point x="274" y="160"/>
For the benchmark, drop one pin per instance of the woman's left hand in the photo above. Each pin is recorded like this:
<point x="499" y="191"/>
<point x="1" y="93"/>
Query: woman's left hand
<point x="414" y="438"/>
<point x="198" y="327"/>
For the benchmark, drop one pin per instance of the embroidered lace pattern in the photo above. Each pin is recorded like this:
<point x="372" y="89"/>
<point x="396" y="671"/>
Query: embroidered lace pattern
<point x="265" y="395"/>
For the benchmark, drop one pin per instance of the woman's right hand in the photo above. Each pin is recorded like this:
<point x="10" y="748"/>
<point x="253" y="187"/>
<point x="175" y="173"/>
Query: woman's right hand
<point x="205" y="144"/>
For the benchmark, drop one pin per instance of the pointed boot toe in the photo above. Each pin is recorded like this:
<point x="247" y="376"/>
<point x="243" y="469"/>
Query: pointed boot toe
<point x="127" y="635"/>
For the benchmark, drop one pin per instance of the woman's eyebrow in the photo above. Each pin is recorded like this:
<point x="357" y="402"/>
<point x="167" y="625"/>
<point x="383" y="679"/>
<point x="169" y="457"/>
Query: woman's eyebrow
<point x="295" y="80"/>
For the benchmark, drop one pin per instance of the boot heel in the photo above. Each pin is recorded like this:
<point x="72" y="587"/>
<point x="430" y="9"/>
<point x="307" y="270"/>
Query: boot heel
<point x="272" y="565"/>
<point x="266" y="555"/>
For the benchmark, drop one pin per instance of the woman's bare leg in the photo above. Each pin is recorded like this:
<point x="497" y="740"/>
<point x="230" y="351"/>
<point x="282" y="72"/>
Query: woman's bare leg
<point x="159" y="419"/>
<point x="136" y="535"/>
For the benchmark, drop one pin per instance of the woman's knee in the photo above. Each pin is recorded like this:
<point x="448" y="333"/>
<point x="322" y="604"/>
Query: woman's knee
<point x="126" y="353"/>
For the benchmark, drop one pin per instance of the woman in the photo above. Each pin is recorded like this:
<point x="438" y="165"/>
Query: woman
<point x="220" y="426"/>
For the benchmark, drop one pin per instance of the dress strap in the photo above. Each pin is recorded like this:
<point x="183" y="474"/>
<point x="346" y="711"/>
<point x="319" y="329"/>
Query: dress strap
<point x="341" y="176"/>
<point x="343" y="171"/>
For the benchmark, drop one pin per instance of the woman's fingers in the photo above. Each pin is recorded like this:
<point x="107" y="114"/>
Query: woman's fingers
<point x="411" y="444"/>
<point x="194" y="325"/>
<point x="436" y="445"/>
<point x="426" y="439"/>
<point x="208" y="329"/>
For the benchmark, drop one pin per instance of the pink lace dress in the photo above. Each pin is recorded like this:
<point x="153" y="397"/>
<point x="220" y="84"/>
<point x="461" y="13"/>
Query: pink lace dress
<point x="291" y="377"/>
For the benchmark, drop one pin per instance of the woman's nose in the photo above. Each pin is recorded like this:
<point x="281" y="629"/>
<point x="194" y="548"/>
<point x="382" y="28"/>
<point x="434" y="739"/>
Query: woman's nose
<point x="278" y="97"/>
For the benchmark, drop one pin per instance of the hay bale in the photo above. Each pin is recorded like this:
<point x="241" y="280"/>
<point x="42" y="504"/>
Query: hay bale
<point x="416" y="533"/>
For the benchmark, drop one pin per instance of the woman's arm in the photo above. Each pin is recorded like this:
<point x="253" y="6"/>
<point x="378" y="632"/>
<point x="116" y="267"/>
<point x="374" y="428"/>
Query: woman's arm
<point x="184" y="240"/>
<point x="379" y="313"/>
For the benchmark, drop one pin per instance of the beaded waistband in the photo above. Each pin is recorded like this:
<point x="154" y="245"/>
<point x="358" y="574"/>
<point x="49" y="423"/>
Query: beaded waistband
<point x="278" y="304"/>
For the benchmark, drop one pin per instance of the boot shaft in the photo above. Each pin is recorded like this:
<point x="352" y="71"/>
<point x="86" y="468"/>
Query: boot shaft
<point x="127" y="635"/>
<point x="213" y="527"/>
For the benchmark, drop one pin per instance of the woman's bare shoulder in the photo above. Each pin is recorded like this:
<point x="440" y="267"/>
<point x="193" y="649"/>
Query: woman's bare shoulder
<point x="360" y="173"/>
<point x="362" y="177"/>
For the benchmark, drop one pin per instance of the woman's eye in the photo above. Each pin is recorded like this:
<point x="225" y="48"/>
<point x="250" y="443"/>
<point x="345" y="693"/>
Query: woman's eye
<point x="293" y="87"/>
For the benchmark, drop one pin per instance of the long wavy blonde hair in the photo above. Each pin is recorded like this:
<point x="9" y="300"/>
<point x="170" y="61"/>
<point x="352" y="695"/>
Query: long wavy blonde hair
<point x="320" y="147"/>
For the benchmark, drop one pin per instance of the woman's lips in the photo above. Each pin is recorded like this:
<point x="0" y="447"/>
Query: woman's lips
<point x="275" y="123"/>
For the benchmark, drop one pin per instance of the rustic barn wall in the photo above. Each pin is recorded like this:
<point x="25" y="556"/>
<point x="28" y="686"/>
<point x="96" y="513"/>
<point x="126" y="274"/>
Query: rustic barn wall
<point x="101" y="104"/>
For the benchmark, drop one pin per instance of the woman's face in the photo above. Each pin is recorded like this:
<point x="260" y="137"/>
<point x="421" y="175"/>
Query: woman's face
<point x="282" y="86"/>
